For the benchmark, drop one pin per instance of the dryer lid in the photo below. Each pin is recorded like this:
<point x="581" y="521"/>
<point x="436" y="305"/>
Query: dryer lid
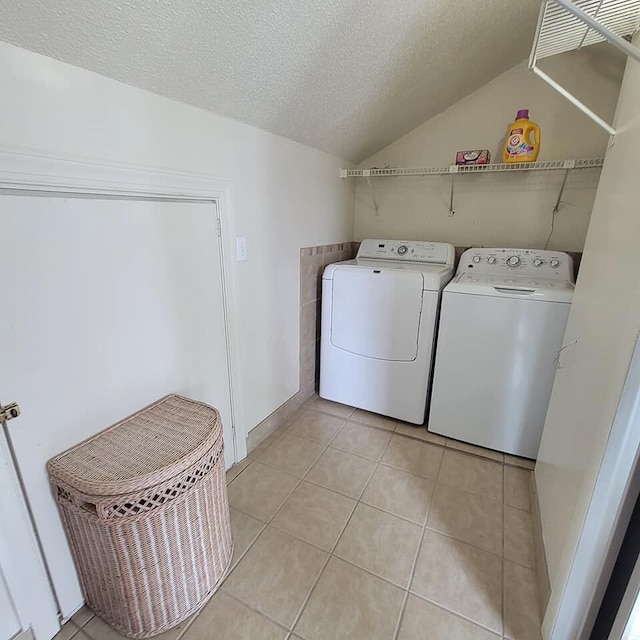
<point x="434" y="276"/>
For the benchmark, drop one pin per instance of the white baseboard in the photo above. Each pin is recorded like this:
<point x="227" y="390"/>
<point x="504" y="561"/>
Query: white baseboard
<point x="283" y="414"/>
<point x="542" y="573"/>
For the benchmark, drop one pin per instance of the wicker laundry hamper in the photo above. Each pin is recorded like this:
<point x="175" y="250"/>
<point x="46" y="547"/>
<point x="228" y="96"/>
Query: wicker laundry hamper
<point x="144" y="506"/>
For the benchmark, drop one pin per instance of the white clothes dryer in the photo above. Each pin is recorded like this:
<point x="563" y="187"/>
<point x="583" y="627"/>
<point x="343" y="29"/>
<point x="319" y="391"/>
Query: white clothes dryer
<point x="379" y="318"/>
<point x="501" y="329"/>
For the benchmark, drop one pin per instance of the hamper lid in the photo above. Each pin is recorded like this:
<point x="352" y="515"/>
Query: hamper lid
<point x="148" y="447"/>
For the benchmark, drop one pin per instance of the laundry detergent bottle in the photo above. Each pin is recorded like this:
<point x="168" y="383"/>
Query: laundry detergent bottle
<point x="523" y="140"/>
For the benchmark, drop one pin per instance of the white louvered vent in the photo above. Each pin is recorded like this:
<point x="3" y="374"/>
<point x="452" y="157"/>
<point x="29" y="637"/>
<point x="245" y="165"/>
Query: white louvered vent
<point x="561" y="31"/>
<point x="567" y="25"/>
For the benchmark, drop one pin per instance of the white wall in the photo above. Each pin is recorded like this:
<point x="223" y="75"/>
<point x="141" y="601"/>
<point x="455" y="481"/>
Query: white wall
<point x="604" y="324"/>
<point x="285" y="195"/>
<point x="498" y="209"/>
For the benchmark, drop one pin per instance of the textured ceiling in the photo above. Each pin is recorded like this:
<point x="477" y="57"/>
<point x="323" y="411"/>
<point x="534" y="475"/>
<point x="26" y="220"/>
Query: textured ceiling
<point x="343" y="76"/>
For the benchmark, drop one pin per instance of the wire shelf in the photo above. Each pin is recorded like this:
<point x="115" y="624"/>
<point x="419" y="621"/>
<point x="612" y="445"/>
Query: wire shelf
<point x="544" y="165"/>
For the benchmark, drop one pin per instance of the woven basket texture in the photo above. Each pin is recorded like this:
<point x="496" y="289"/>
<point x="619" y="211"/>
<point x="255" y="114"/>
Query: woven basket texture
<point x="144" y="505"/>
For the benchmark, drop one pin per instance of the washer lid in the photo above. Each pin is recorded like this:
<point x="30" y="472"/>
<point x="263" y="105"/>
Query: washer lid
<point x="512" y="286"/>
<point x="434" y="276"/>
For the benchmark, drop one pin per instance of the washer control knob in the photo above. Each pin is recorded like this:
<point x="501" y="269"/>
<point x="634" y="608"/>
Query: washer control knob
<point x="402" y="249"/>
<point x="491" y="259"/>
<point x="476" y="259"/>
<point x="513" y="261"/>
<point x="555" y="263"/>
<point x="538" y="262"/>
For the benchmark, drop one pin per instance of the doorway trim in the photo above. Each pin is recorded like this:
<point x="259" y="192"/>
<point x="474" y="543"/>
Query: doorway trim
<point x="20" y="560"/>
<point x="38" y="171"/>
<point x="606" y="521"/>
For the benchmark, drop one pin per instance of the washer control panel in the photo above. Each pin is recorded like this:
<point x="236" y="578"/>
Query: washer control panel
<point x="407" y="250"/>
<point x="534" y="262"/>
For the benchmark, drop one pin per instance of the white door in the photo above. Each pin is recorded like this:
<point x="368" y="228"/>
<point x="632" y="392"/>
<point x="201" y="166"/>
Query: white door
<point x="108" y="304"/>
<point x="9" y="623"/>
<point x="26" y="600"/>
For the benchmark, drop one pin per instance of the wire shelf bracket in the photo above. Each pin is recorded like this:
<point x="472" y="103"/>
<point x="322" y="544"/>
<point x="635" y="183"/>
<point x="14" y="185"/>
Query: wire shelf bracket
<point x="566" y="25"/>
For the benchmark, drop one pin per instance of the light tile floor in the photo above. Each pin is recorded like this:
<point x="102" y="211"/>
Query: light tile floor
<point x="350" y="525"/>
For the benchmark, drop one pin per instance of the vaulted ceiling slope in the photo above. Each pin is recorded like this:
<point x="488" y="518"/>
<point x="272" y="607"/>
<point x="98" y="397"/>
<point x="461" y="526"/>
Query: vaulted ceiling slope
<point x="344" y="76"/>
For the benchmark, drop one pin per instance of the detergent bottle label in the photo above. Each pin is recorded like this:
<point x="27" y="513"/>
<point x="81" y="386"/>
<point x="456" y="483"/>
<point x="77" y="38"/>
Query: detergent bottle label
<point x="517" y="144"/>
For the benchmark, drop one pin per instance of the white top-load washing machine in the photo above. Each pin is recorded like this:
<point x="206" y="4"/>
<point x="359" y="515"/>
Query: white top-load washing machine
<point x="501" y="328"/>
<point x="379" y="316"/>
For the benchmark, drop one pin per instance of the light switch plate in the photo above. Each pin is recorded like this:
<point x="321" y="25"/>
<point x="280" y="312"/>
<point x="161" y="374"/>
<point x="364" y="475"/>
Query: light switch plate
<point x="241" y="249"/>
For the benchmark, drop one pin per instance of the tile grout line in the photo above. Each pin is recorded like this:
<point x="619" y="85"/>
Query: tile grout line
<point x="471" y="545"/>
<point x="248" y="606"/>
<point x="311" y="590"/>
<point x="473" y="454"/>
<point x="456" y="614"/>
<point x="424" y="524"/>
<point x="283" y="427"/>
<point x="335" y="448"/>
<point x="371" y="573"/>
<point x="251" y="461"/>
<point x="244" y="553"/>
<point x="266" y="524"/>
<point x="368" y="482"/>
<point x="307" y="406"/>
<point x="349" y="420"/>
<point x="78" y="627"/>
<point x="415" y="475"/>
<point x="74" y="634"/>
<point x="405" y="598"/>
<point x="368" y="425"/>
<point x="499" y="501"/>
<point x="417" y="555"/>
<point x="440" y="605"/>
<point x="329" y="413"/>
<point x="357" y="455"/>
<point x="344" y="424"/>
<point x="478" y="454"/>
<point x="452" y="537"/>
<point x="374" y="426"/>
<point x="281" y="505"/>
<point x="423" y="532"/>
<point x="324" y="566"/>
<point x="359" y="500"/>
<point x="386" y="464"/>
<point x="377" y="464"/>
<point x="338" y="538"/>
<point x="445" y="447"/>
<point x="395" y="515"/>
<point x="468" y="544"/>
